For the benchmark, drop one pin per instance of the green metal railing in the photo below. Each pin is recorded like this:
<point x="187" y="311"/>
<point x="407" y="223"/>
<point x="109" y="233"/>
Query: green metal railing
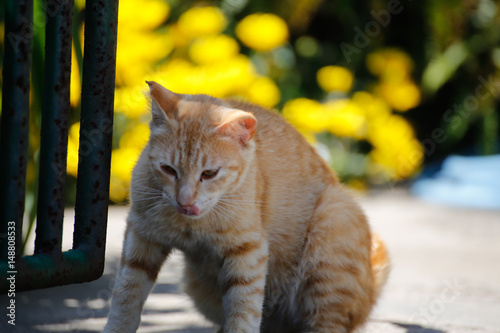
<point x="49" y="266"/>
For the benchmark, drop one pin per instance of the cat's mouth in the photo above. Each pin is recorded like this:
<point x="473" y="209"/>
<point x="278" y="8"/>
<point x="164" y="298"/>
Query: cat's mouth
<point x="193" y="210"/>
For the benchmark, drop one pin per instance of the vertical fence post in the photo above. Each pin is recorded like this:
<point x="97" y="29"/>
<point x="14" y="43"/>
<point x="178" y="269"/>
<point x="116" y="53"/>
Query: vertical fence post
<point x="54" y="131"/>
<point x="96" y="127"/>
<point x="15" y="118"/>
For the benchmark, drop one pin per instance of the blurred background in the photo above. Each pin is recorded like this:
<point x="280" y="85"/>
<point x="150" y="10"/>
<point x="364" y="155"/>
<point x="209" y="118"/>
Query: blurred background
<point x="386" y="90"/>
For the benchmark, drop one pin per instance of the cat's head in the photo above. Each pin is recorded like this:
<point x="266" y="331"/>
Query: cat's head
<point x="199" y="149"/>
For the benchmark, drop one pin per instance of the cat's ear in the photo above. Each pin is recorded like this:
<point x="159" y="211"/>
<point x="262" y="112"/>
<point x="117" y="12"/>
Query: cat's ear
<point x="163" y="103"/>
<point x="239" y="125"/>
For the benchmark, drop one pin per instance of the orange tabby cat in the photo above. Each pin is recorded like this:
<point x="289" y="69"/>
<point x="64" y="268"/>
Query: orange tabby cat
<point x="272" y="242"/>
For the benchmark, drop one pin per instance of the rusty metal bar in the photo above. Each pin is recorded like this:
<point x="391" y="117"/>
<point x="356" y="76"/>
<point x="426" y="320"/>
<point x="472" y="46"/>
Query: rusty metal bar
<point x="15" y="118"/>
<point x="42" y="271"/>
<point x="54" y="131"/>
<point x="96" y="126"/>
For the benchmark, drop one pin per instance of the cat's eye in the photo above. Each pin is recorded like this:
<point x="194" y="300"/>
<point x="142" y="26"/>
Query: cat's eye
<point x="169" y="170"/>
<point x="209" y="174"/>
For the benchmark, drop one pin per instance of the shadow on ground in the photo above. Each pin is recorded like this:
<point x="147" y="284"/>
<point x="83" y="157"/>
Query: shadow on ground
<point x="418" y="329"/>
<point x="82" y="308"/>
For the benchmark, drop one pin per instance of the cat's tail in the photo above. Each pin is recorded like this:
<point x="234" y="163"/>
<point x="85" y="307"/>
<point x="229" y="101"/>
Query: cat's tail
<point x="381" y="264"/>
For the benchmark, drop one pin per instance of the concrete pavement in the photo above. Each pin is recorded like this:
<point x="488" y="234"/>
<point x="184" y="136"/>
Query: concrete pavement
<point x="445" y="277"/>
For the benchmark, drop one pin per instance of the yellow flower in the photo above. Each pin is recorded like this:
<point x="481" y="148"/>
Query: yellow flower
<point x="346" y="118"/>
<point x="118" y="189"/>
<point x="375" y="108"/>
<point x="123" y="160"/>
<point x="335" y="78"/>
<point x="130" y="101"/>
<point x="395" y="128"/>
<point x="262" y="32"/>
<point x="263" y="91"/>
<point x="122" y="163"/>
<point x="174" y="75"/>
<point x="136" y="51"/>
<point x="390" y="64"/>
<point x="80" y="4"/>
<point x="306" y="115"/>
<point x="75" y="84"/>
<point x="201" y="21"/>
<point x="136" y="138"/>
<point x="240" y="73"/>
<point x="401" y="161"/>
<point x="225" y="79"/>
<point x="396" y="150"/>
<point x="402" y="96"/>
<point x="212" y="49"/>
<point x="73" y="145"/>
<point x="232" y="77"/>
<point x="149" y="15"/>
<point x="138" y="45"/>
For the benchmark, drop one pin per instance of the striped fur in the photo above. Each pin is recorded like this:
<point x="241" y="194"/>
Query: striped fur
<point x="272" y="241"/>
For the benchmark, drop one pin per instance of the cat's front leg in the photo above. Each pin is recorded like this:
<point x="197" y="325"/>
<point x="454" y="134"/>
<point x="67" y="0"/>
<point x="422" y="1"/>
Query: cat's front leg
<point x="244" y="274"/>
<point x="141" y="261"/>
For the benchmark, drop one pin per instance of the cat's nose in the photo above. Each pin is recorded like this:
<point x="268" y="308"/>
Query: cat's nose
<point x="186" y="202"/>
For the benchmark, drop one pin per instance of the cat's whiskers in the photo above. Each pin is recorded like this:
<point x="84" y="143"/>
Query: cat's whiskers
<point x="151" y="206"/>
<point x="242" y="201"/>
<point x="149" y="195"/>
<point x="154" y="205"/>
<point x="146" y="190"/>
<point x="225" y="212"/>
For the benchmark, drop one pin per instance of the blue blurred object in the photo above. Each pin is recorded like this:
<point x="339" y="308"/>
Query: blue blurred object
<point x="472" y="182"/>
